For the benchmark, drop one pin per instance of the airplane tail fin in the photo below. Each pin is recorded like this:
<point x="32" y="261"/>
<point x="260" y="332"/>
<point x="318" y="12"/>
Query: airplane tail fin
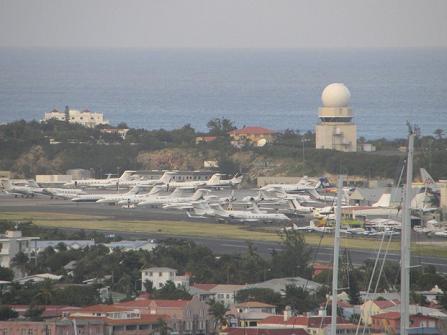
<point x="314" y="194"/>
<point x="135" y="190"/>
<point x="217" y="208"/>
<point x="5" y="184"/>
<point x="199" y="194"/>
<point x="384" y="201"/>
<point x="126" y="174"/>
<point x="156" y="189"/>
<point x="427" y="179"/>
<point x="236" y="180"/>
<point x="166" y="177"/>
<point x="215" y="179"/>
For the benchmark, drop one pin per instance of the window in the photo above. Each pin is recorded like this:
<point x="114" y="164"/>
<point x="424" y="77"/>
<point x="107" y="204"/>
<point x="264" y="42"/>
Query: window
<point x="142" y="327"/>
<point x="150" y="274"/>
<point x="131" y="327"/>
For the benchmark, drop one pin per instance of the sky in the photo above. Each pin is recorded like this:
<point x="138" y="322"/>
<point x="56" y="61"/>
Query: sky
<point x="223" y="23"/>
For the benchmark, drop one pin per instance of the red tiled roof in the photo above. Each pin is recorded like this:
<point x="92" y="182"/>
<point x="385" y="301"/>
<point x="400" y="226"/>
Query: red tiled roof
<point x="144" y="303"/>
<point x="382" y="304"/>
<point x="260" y="331"/>
<point x="50" y="310"/>
<point x="144" y="318"/>
<point x="254" y="304"/>
<point x="204" y="287"/>
<point x="251" y="131"/>
<point x="102" y="309"/>
<point x="387" y="316"/>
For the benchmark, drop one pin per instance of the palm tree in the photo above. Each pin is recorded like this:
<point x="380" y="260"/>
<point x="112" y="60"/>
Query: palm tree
<point x="45" y="294"/>
<point x="218" y="311"/>
<point x="162" y="326"/>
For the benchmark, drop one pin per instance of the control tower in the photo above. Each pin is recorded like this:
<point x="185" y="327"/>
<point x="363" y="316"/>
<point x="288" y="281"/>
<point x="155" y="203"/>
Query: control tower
<point x="336" y="131"/>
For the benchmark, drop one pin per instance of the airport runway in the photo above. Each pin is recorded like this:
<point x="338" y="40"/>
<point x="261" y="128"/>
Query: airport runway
<point x="218" y="245"/>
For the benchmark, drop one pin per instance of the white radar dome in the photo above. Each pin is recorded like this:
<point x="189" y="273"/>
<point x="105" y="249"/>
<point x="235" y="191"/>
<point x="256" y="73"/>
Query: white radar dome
<point x="335" y="95"/>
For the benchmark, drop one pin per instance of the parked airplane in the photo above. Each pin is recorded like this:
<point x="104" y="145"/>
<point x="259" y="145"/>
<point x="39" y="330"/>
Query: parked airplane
<point x="105" y="196"/>
<point x="28" y="188"/>
<point x="170" y="200"/>
<point x="310" y="228"/>
<point x="247" y="216"/>
<point x="297" y="207"/>
<point x="133" y="200"/>
<point x="100" y="183"/>
<point x="164" y="179"/>
<point x="63" y="193"/>
<point x="304" y="183"/>
<point x="135" y="191"/>
<point x="429" y="182"/>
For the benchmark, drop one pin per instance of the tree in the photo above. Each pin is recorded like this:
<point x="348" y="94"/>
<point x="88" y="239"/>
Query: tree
<point x="218" y="310"/>
<point x="170" y="292"/>
<point x="148" y="286"/>
<point x="162" y="326"/>
<point x="45" y="294"/>
<point x="299" y="299"/>
<point x="259" y="294"/>
<point x="294" y="259"/>
<point x="220" y="127"/>
<point x="7" y="313"/>
<point x="34" y="313"/>
<point x="439" y="133"/>
<point x="6" y="274"/>
<point x="20" y="261"/>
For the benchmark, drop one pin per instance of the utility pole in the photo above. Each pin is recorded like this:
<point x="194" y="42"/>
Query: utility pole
<point x="406" y="242"/>
<point x="336" y="256"/>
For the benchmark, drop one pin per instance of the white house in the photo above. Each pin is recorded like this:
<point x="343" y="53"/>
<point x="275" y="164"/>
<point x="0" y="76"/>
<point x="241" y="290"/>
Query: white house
<point x="159" y="276"/>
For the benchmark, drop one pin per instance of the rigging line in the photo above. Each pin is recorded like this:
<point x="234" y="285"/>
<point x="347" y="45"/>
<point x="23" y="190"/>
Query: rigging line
<point x="380" y="272"/>
<point x="370" y="282"/>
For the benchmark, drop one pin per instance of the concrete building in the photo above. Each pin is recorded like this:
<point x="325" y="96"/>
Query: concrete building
<point x="11" y="243"/>
<point x="159" y="276"/>
<point x="52" y="327"/>
<point x="336" y="131"/>
<point x="53" y="179"/>
<point x="85" y="117"/>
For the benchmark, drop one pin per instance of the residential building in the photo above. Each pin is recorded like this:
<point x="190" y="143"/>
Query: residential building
<point x="373" y="307"/>
<point x="261" y="331"/>
<point x="224" y="293"/>
<point x="85" y="117"/>
<point x="389" y="323"/>
<point x="314" y="325"/>
<point x="159" y="276"/>
<point x="248" y="314"/>
<point x="50" y="311"/>
<point x="258" y="136"/>
<point x="120" y="320"/>
<point x="12" y="243"/>
<point x="122" y="132"/>
<point x="53" y="327"/>
<point x="185" y="316"/>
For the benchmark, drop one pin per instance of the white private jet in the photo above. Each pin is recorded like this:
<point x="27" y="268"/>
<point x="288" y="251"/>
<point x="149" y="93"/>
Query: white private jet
<point x="106" y="196"/>
<point x="22" y="188"/>
<point x="247" y="216"/>
<point x="310" y="228"/>
<point x="305" y="183"/>
<point x="171" y="199"/>
<point x="100" y="183"/>
<point x="63" y="193"/>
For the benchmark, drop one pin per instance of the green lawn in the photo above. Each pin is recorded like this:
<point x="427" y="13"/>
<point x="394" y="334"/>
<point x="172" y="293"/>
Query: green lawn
<point x="200" y="229"/>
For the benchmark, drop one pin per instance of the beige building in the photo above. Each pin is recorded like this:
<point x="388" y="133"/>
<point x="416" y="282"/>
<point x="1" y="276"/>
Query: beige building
<point x="86" y="118"/>
<point x="336" y="131"/>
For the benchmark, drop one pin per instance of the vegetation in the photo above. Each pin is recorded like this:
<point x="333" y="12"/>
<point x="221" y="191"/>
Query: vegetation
<point x="29" y="148"/>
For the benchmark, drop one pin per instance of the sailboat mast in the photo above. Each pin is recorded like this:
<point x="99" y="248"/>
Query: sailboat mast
<point x="406" y="242"/>
<point x="336" y="256"/>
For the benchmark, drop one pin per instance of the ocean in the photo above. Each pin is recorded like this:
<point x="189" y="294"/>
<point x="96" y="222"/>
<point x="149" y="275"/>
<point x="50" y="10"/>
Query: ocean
<point x="278" y="89"/>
